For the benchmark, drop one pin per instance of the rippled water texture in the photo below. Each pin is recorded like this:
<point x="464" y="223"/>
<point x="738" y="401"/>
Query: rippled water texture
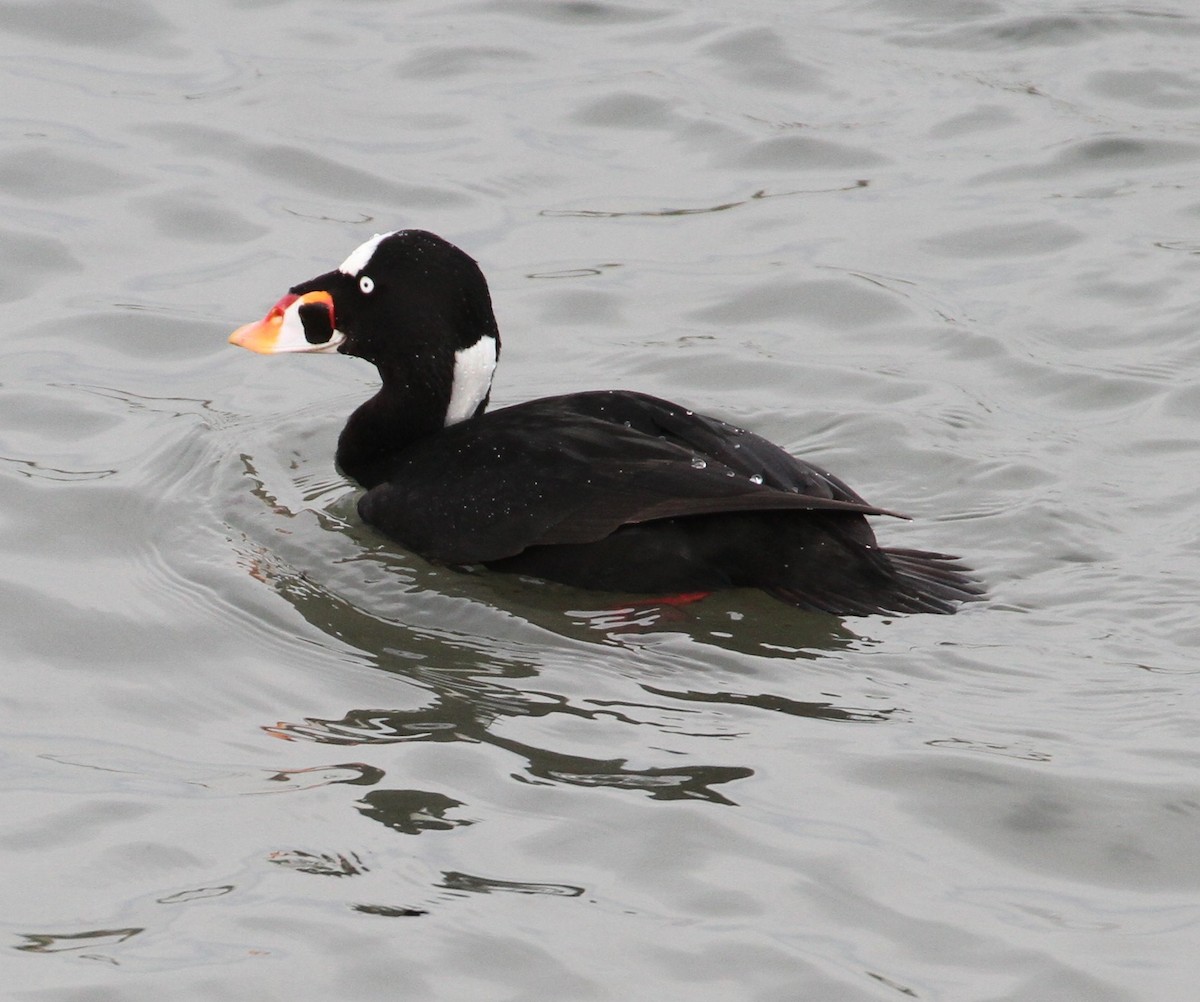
<point x="947" y="248"/>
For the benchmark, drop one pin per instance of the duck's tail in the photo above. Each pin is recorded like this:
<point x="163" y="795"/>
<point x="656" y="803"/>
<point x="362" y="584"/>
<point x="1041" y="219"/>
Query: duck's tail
<point x="910" y="581"/>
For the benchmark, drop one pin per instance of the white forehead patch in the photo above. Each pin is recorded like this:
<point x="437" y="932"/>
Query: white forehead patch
<point x="361" y="254"/>
<point x="473" y="368"/>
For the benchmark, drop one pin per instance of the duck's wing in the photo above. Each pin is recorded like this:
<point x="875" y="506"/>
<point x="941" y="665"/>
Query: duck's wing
<point x="712" y="439"/>
<point x="574" y="469"/>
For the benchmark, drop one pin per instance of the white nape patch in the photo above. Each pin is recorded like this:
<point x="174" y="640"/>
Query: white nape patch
<point x="361" y="254"/>
<point x="473" y="368"/>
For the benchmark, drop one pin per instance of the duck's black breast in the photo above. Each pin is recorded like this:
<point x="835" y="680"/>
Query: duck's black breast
<point x="573" y="469"/>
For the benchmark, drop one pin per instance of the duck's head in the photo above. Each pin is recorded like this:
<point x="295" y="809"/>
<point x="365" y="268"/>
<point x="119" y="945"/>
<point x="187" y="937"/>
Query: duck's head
<point x="409" y="302"/>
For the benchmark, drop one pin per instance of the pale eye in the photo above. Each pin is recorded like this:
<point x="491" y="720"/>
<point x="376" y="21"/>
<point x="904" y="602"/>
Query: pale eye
<point x="367" y="284"/>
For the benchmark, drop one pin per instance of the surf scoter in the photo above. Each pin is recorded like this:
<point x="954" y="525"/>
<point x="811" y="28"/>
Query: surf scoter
<point x="609" y="490"/>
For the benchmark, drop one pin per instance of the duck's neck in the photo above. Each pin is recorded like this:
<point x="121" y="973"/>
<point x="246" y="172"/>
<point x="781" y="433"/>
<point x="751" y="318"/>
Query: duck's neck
<point x="415" y="401"/>
<point x="404" y="411"/>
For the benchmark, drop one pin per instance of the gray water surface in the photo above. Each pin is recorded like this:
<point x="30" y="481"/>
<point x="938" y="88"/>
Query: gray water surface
<point x="948" y="250"/>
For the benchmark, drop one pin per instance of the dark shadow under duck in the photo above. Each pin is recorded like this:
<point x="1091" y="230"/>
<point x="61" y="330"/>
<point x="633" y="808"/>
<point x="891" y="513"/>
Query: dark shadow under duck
<point x="609" y="490"/>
